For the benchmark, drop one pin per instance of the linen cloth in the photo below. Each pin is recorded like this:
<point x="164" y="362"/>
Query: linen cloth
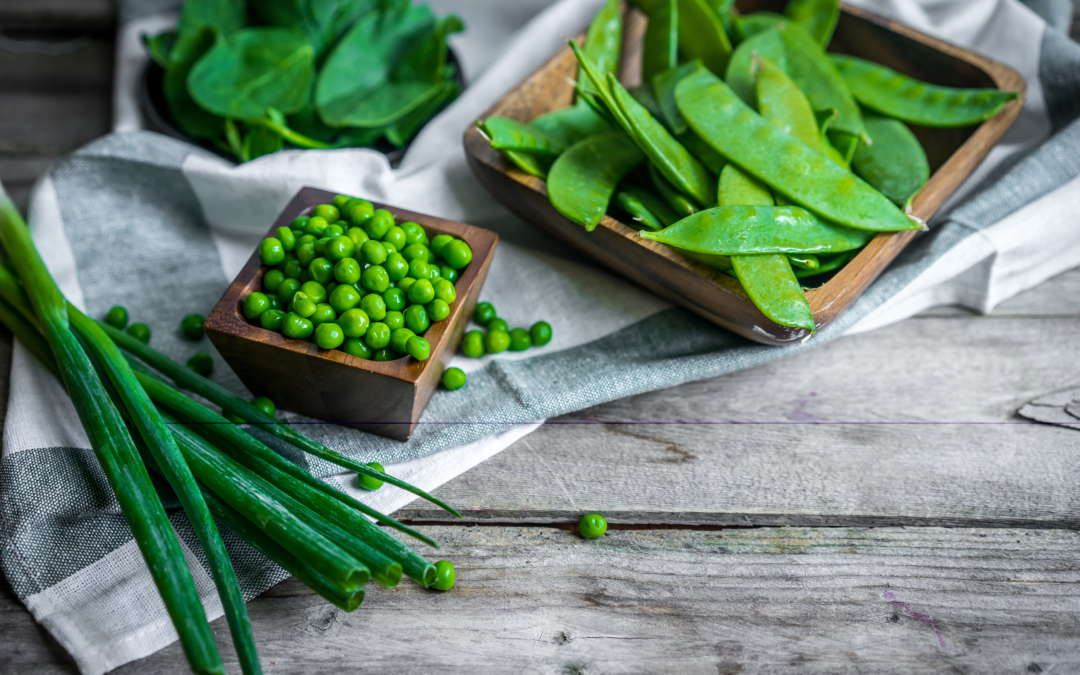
<point x="161" y="226"/>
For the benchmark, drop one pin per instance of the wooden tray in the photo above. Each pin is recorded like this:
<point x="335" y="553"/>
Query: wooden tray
<point x="383" y="397"/>
<point x="953" y="155"/>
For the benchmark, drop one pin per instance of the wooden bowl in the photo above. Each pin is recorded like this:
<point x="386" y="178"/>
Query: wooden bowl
<point x="953" y="155"/>
<point x="383" y="397"/>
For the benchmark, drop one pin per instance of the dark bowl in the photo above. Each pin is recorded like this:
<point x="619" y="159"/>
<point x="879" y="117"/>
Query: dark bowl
<point x="155" y="111"/>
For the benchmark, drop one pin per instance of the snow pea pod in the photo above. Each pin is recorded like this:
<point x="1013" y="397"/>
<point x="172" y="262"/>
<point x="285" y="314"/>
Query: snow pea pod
<point x="565" y="126"/>
<point x="643" y="94"/>
<point x="782" y="102"/>
<point x="534" y="165"/>
<point x="661" y="49"/>
<point x="761" y="149"/>
<point x="603" y="41"/>
<point x="757" y="22"/>
<point x="679" y="202"/>
<point x="818" y="17"/>
<point x="670" y="157"/>
<point x="804" y="261"/>
<point x="740" y="72"/>
<point x="712" y="160"/>
<point x="905" y="98"/>
<point x="702" y="36"/>
<point x="664" y="87"/>
<point x="652" y="202"/>
<point x="507" y="134"/>
<point x="748" y="230"/>
<point x="583" y="179"/>
<point x="639" y="212"/>
<point x="895" y="163"/>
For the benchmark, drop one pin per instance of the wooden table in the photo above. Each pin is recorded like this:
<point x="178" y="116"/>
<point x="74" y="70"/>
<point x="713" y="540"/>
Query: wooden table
<point x="874" y="505"/>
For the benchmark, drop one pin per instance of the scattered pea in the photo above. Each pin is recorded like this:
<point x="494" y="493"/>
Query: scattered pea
<point x="444" y="576"/>
<point x="117" y="317"/>
<point x="472" y="345"/>
<point x="496" y="341"/>
<point x="592" y="526"/>
<point x="201" y="362"/>
<point x="192" y="326"/>
<point x="264" y="404"/>
<point x="498" y="324"/>
<point x="540" y="333"/>
<point x="520" y="340"/>
<point x="484" y="313"/>
<point x="453" y="378"/>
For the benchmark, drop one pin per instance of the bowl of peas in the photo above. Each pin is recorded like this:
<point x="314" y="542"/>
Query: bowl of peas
<point x="349" y="310"/>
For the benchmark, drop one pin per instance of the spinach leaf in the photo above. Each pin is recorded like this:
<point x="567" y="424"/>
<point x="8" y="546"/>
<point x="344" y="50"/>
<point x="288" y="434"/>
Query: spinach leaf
<point x="159" y="46"/>
<point x="321" y="21"/>
<point x="253" y="70"/>
<point x="388" y="65"/>
<point x="259" y="141"/>
<point x="193" y="120"/>
<point x="401" y="132"/>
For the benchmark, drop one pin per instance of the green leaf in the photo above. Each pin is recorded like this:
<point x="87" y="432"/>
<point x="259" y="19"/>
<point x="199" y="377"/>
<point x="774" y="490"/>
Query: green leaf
<point x="159" y="46"/>
<point x="321" y="21"/>
<point x="388" y="65"/>
<point x="253" y="70"/>
<point x="192" y="120"/>
<point x="259" y="141"/>
<point x="223" y="17"/>
<point x="401" y="132"/>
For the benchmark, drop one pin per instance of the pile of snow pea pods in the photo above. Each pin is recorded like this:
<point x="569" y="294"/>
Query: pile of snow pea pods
<point x="748" y="147"/>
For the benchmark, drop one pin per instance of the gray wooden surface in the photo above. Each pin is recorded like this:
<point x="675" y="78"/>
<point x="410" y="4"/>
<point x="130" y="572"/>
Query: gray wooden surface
<point x="874" y="505"/>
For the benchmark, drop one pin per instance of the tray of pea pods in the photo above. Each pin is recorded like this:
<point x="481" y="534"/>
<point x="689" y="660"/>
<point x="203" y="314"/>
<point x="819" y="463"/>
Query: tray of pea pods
<point x="757" y="162"/>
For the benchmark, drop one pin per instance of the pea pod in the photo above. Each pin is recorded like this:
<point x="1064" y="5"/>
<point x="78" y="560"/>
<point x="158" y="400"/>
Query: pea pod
<point x="507" y="134"/>
<point x="804" y="261"/>
<point x="664" y="87"/>
<point x="787" y="166"/>
<point x="638" y="210"/>
<point x="758" y="22"/>
<point x="534" y="165"/>
<point x="603" y="41"/>
<point x="748" y="230"/>
<point x="905" y="98"/>
<point x="740" y="72"/>
<point x="661" y="49"/>
<point x="676" y="200"/>
<point x="565" y="126"/>
<point x="652" y="202"/>
<point x="702" y="151"/>
<point x="583" y="179"/>
<point x="737" y="188"/>
<point x="643" y="94"/>
<point x="818" y="17"/>
<point x="781" y="102"/>
<point x="702" y="36"/>
<point x="669" y="156"/>
<point x="827" y="264"/>
<point x="895" y="163"/>
<point x="725" y="11"/>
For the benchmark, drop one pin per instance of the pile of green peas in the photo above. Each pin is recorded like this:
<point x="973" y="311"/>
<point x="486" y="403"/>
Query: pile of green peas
<point x="350" y="277"/>
<point x="499" y="336"/>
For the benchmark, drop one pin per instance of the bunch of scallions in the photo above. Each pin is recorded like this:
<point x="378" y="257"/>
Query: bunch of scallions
<point x="129" y="400"/>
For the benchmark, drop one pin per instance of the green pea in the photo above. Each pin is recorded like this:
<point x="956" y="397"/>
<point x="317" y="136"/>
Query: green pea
<point x="472" y="345"/>
<point x="360" y="211"/>
<point x="302" y="305"/>
<point x="299" y="222"/>
<point x="592" y="526"/>
<point x="255" y="304"/>
<point x="305" y="253"/>
<point x="340" y="247"/>
<point x="357" y="348"/>
<point x="201" y="362"/>
<point x="395" y="299"/>
<point x="315" y="226"/>
<point x="444" y="576"/>
<point x="438" y="310"/>
<point x="379" y="224"/>
<point x="274" y="303"/>
<point x="484" y="313"/>
<point x="293" y="269"/>
<point x="320" y="246"/>
<point x="378" y="335"/>
<point x="340" y="201"/>
<point x="375" y="279"/>
<point x="496" y="341"/>
<point x="264" y="404"/>
<point x="396" y="236"/>
<point x="271" y="252"/>
<point x="329" y="336"/>
<point x="368" y="482"/>
<point x="418" y="348"/>
<point x="296" y="327"/>
<point x="330" y="288"/>
<point x="398" y="337"/>
<point x="324" y="313"/>
<point x="271" y="319"/>
<point x="390" y="248"/>
<point x="343" y="298"/>
<point x="414" y="234"/>
<point x="374" y="306"/>
<point x="396" y="266"/>
<point x="117" y="317"/>
<point x="384" y="354"/>
<point x="347" y="271"/>
<point x="458" y="254"/>
<point x="286" y="238"/>
<point x="540" y="333"/>
<point x="394" y="320"/>
<point x="453" y="378"/>
<point x="192" y="326"/>
<point x="439" y="241"/>
<point x="449" y="273"/>
<point x="895" y="163"/>
<point x="418" y="269"/>
<point x="373" y="252"/>
<point x="498" y="324"/>
<point x="421" y="292"/>
<point x="777" y="159"/>
<point x="322" y="270"/>
<point x="315" y="291"/>
<point x="336" y="230"/>
<point x="416" y="319"/>
<point x="404" y="284"/>
<point x="520" y="340"/>
<point x="272" y="280"/>
<point x="415" y="251"/>
<point x="327" y="212"/>
<point x="357" y="235"/>
<point x="354" y="323"/>
<point x="287" y="290"/>
<point x="891" y="93"/>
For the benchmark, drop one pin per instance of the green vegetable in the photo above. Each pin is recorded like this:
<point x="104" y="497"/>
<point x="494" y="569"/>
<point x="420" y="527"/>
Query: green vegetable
<point x="117" y="317"/>
<point x="296" y="327"/>
<point x="702" y="36"/>
<point x="201" y="362"/>
<point x="583" y="179"/>
<point x="520" y="340"/>
<point x="664" y="85"/>
<point x="603" y="41"/>
<point x="329" y="336"/>
<point x="356" y="347"/>
<point x="540" y="333"/>
<point x="592" y="526"/>
<point x="679" y="203"/>
<point x="631" y="203"/>
<point x="895" y="163"/>
<point x="445" y="577"/>
<point x="780" y="101"/>
<point x="438" y="310"/>
<point x="741" y="75"/>
<point x="496" y="341"/>
<point x="378" y="335"/>
<point x="890" y="93"/>
<point x="272" y="319"/>
<point x="817" y="17"/>
<point x="264" y="404"/>
<point x="139" y="331"/>
<point x="498" y="324"/>
<point x="484" y="313"/>
<point x="453" y="378"/>
<point x="472" y="345"/>
<point x="370" y="482"/>
<point x="660" y="51"/>
<point x="418" y="348"/>
<point x="458" y="254"/>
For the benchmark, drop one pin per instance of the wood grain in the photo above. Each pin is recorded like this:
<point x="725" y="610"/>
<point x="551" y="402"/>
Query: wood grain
<point x="714" y="295"/>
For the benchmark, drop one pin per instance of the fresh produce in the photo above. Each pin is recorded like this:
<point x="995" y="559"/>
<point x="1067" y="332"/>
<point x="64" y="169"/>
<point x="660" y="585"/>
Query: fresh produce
<point x="191" y="326"/>
<point x="117" y="317"/>
<point x="497" y="338"/>
<point x="747" y="147"/>
<point x="136" y="420"/>
<point x="453" y="378"/>
<point x="592" y="526"/>
<point x="252" y="80"/>
<point x="445" y="577"/>
<point x="355" y="291"/>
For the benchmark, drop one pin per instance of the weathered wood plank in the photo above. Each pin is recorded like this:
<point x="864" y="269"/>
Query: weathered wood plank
<point x="51" y="123"/>
<point x="86" y="15"/>
<point x="539" y="600"/>
<point x="89" y="68"/>
<point x="912" y="424"/>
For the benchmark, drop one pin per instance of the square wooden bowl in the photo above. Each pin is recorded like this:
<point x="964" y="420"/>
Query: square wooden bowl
<point x="383" y="397"/>
<point x="953" y="155"/>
